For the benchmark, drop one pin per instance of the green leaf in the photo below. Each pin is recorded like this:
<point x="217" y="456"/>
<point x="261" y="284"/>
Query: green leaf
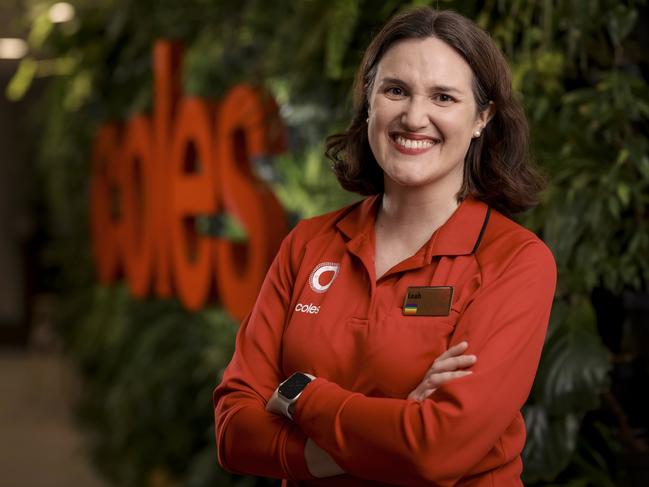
<point x="575" y="364"/>
<point x="22" y="79"/>
<point x="622" y="156"/>
<point x="550" y="443"/>
<point x="621" y="21"/>
<point x="624" y="193"/>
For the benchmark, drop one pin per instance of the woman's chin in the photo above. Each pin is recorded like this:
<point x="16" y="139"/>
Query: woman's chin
<point x="406" y="182"/>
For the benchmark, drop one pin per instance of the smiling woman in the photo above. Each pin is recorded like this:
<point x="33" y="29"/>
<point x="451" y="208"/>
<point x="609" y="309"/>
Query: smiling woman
<point x="395" y="341"/>
<point x="496" y="166"/>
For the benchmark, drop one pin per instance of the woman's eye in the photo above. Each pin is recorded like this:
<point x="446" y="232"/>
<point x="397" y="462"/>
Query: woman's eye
<point x="394" y="91"/>
<point x="443" y="98"/>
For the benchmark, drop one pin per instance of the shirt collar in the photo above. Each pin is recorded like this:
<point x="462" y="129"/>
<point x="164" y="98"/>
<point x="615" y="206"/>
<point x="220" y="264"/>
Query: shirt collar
<point x="359" y="220"/>
<point x="459" y="235"/>
<point x="462" y="232"/>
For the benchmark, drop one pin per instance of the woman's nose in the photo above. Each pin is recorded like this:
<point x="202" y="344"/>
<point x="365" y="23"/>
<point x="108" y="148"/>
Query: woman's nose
<point x="415" y="114"/>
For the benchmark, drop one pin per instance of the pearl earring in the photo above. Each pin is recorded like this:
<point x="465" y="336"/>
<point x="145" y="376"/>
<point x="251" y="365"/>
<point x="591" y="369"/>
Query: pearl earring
<point x="476" y="133"/>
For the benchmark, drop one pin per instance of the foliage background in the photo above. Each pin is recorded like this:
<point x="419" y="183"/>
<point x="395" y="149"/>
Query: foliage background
<point x="149" y="366"/>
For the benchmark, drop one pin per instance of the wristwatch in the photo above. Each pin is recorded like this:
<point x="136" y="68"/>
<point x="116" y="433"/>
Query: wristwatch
<point x="290" y="390"/>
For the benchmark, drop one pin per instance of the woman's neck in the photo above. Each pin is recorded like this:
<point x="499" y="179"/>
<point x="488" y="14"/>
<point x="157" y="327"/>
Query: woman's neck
<point x="414" y="212"/>
<point x="405" y="222"/>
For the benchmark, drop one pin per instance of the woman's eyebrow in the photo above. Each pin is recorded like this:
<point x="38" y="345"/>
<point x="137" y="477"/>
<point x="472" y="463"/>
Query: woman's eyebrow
<point x="444" y="88"/>
<point x="395" y="81"/>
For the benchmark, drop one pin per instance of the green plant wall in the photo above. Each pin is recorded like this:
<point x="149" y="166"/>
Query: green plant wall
<point x="149" y="366"/>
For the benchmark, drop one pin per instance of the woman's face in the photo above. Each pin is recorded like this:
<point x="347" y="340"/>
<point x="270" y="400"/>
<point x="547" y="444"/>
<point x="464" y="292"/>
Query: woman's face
<point x="423" y="115"/>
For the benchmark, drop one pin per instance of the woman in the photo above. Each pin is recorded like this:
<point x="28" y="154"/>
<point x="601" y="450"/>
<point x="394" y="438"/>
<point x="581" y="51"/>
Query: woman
<point x="331" y="382"/>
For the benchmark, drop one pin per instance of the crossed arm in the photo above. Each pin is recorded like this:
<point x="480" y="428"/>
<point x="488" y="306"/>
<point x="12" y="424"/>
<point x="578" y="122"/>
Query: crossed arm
<point x="448" y="366"/>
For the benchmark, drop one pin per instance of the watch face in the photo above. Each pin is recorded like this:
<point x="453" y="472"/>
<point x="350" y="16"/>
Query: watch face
<point x="293" y="385"/>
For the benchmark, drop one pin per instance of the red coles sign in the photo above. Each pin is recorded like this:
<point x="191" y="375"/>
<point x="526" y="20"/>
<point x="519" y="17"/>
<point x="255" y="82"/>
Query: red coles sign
<point x="153" y="176"/>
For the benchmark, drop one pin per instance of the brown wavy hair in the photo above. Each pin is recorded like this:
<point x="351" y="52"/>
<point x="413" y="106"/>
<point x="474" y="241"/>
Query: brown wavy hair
<point x="497" y="167"/>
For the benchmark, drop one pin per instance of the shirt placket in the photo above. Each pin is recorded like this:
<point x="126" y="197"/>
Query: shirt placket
<point x="361" y="247"/>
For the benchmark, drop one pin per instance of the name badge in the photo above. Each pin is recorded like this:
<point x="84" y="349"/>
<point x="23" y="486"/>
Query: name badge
<point x="428" y="301"/>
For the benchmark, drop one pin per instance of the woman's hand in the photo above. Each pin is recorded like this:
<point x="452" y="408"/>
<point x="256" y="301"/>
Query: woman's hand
<point x="448" y="366"/>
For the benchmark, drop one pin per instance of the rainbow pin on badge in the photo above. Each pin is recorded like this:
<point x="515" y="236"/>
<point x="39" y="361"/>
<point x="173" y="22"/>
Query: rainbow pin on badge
<point x="428" y="301"/>
<point x="410" y="309"/>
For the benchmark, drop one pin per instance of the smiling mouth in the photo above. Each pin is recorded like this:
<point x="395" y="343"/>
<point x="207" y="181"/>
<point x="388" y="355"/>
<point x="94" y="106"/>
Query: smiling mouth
<point x="413" y="145"/>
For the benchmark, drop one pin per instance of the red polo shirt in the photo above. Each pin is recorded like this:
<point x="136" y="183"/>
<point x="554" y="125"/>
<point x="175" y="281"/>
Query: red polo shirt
<point x="322" y="311"/>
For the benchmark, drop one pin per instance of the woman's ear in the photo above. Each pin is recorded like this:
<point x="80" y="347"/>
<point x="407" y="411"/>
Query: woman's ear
<point x="485" y="116"/>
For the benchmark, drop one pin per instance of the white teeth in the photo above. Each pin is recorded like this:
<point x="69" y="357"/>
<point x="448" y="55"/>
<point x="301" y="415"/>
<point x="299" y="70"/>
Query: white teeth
<point x="414" y="144"/>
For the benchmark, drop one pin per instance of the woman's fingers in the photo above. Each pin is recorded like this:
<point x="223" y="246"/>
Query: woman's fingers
<point x="436" y="380"/>
<point x="429" y="385"/>
<point x="452" y="363"/>
<point x="454" y="351"/>
<point x="447" y="367"/>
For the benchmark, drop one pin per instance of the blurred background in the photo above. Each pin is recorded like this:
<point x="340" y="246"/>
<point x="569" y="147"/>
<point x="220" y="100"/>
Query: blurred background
<point x="98" y="388"/>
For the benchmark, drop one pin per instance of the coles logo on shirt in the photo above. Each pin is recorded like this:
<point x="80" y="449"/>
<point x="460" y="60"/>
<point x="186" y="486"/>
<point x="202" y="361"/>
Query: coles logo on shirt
<point x="310" y="308"/>
<point x="323" y="276"/>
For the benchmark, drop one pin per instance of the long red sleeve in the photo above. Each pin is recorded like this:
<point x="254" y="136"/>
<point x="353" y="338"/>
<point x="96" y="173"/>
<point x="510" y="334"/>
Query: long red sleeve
<point x="249" y="439"/>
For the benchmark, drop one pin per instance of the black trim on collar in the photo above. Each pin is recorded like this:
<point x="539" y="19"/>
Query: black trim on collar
<point x="482" y="230"/>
